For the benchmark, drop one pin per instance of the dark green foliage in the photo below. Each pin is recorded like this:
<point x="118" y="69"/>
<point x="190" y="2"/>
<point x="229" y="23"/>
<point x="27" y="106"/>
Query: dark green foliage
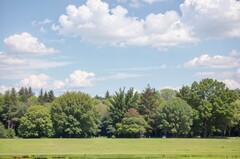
<point x="211" y="101"/>
<point x="149" y="102"/>
<point x="36" y="123"/>
<point x="74" y="115"/>
<point x="121" y="102"/>
<point x="51" y="96"/>
<point x="175" y="117"/>
<point x="9" y="133"/>
<point x="2" y="131"/>
<point x="107" y="94"/>
<point x="40" y="97"/>
<point x="132" y="125"/>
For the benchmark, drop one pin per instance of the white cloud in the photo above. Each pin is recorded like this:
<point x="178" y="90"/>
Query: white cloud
<point x="212" y="19"/>
<point x="43" y="22"/>
<point x="217" y="61"/>
<point x="36" y="81"/>
<point x="121" y="75"/>
<point x="140" y="68"/>
<point x="97" y="23"/>
<point x="138" y="3"/>
<point x="234" y="53"/>
<point x="4" y="88"/>
<point x="26" y="43"/>
<point x="13" y="67"/>
<point x="58" y="84"/>
<point x="231" y="84"/>
<point x="81" y="79"/>
<point x="216" y="75"/>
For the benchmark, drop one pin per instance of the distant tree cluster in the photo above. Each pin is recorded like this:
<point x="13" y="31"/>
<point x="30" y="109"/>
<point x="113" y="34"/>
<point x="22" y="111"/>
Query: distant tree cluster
<point x="206" y="108"/>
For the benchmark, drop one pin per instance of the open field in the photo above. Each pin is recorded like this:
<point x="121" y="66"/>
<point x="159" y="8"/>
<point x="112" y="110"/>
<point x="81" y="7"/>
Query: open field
<point x="120" y="148"/>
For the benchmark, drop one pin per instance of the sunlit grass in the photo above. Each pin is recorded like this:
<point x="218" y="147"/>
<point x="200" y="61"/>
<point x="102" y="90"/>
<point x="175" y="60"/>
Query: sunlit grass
<point x="120" y="148"/>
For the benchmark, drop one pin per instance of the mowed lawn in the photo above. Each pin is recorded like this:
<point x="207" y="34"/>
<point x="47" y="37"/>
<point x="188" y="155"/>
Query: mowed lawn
<point x="120" y="148"/>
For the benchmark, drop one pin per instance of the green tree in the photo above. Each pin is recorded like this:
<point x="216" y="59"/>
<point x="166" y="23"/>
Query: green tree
<point x="40" y="97"/>
<point x="211" y="101"/>
<point x="148" y="104"/>
<point x="120" y="103"/>
<point x="132" y="125"/>
<point x="51" y="96"/>
<point x="74" y="115"/>
<point x="175" y="117"/>
<point x="168" y="93"/>
<point x="36" y="123"/>
<point x="2" y="131"/>
<point x="107" y="94"/>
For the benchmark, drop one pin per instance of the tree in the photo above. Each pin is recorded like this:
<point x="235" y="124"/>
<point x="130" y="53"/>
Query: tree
<point x="168" y="93"/>
<point x="211" y="101"/>
<point x="236" y="117"/>
<point x="149" y="102"/>
<point x="40" y="97"/>
<point x="107" y="94"/>
<point x="175" y="117"/>
<point x="2" y="131"/>
<point x="132" y="125"/>
<point x="45" y="97"/>
<point x="51" y="96"/>
<point x="120" y="103"/>
<point x="74" y="115"/>
<point x="30" y="92"/>
<point x="36" y="123"/>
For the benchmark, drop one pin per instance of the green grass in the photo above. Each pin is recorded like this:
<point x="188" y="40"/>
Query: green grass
<point x="120" y="148"/>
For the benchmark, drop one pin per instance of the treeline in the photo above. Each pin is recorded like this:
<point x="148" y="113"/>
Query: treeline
<point x="204" y="109"/>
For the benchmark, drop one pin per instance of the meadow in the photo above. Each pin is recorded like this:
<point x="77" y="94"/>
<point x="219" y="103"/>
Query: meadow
<point x="120" y="148"/>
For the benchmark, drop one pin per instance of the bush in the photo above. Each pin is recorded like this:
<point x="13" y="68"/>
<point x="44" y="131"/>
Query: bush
<point x="2" y="131"/>
<point x="9" y="133"/>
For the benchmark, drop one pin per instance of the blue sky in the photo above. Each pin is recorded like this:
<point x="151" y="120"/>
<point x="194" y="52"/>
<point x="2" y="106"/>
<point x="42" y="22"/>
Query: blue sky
<point x="99" y="45"/>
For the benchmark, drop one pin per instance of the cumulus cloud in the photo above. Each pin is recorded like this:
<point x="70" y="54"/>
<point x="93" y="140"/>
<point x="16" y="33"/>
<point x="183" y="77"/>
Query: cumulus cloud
<point x="26" y="43"/>
<point x="217" y="61"/>
<point x="58" y="84"/>
<point x="81" y="79"/>
<point x="36" y="81"/>
<point x="231" y="84"/>
<point x="97" y="23"/>
<point x="212" y="19"/>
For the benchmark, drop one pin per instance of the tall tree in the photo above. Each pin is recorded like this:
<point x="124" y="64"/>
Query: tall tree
<point x="149" y="102"/>
<point x="51" y="96"/>
<point x="175" y="117"/>
<point x="121" y="102"/>
<point x="40" y="97"/>
<point x="211" y="101"/>
<point x="74" y="115"/>
<point x="107" y="94"/>
<point x="45" y="97"/>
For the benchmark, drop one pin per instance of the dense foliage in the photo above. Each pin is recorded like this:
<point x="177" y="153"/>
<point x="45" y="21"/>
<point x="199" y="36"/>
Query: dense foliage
<point x="36" y="123"/>
<point x="206" y="108"/>
<point x="74" y="115"/>
<point x="175" y="117"/>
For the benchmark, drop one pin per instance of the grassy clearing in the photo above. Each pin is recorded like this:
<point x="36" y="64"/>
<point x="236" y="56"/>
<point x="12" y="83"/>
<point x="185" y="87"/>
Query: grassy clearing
<point x="120" y="148"/>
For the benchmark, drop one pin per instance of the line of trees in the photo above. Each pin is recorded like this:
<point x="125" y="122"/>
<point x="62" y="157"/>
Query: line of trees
<point x="206" y="108"/>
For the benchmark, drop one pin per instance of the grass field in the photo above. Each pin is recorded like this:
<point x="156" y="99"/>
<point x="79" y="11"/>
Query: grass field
<point x="120" y="148"/>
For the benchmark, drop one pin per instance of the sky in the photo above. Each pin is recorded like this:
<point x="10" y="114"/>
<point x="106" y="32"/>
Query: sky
<point x="99" y="45"/>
